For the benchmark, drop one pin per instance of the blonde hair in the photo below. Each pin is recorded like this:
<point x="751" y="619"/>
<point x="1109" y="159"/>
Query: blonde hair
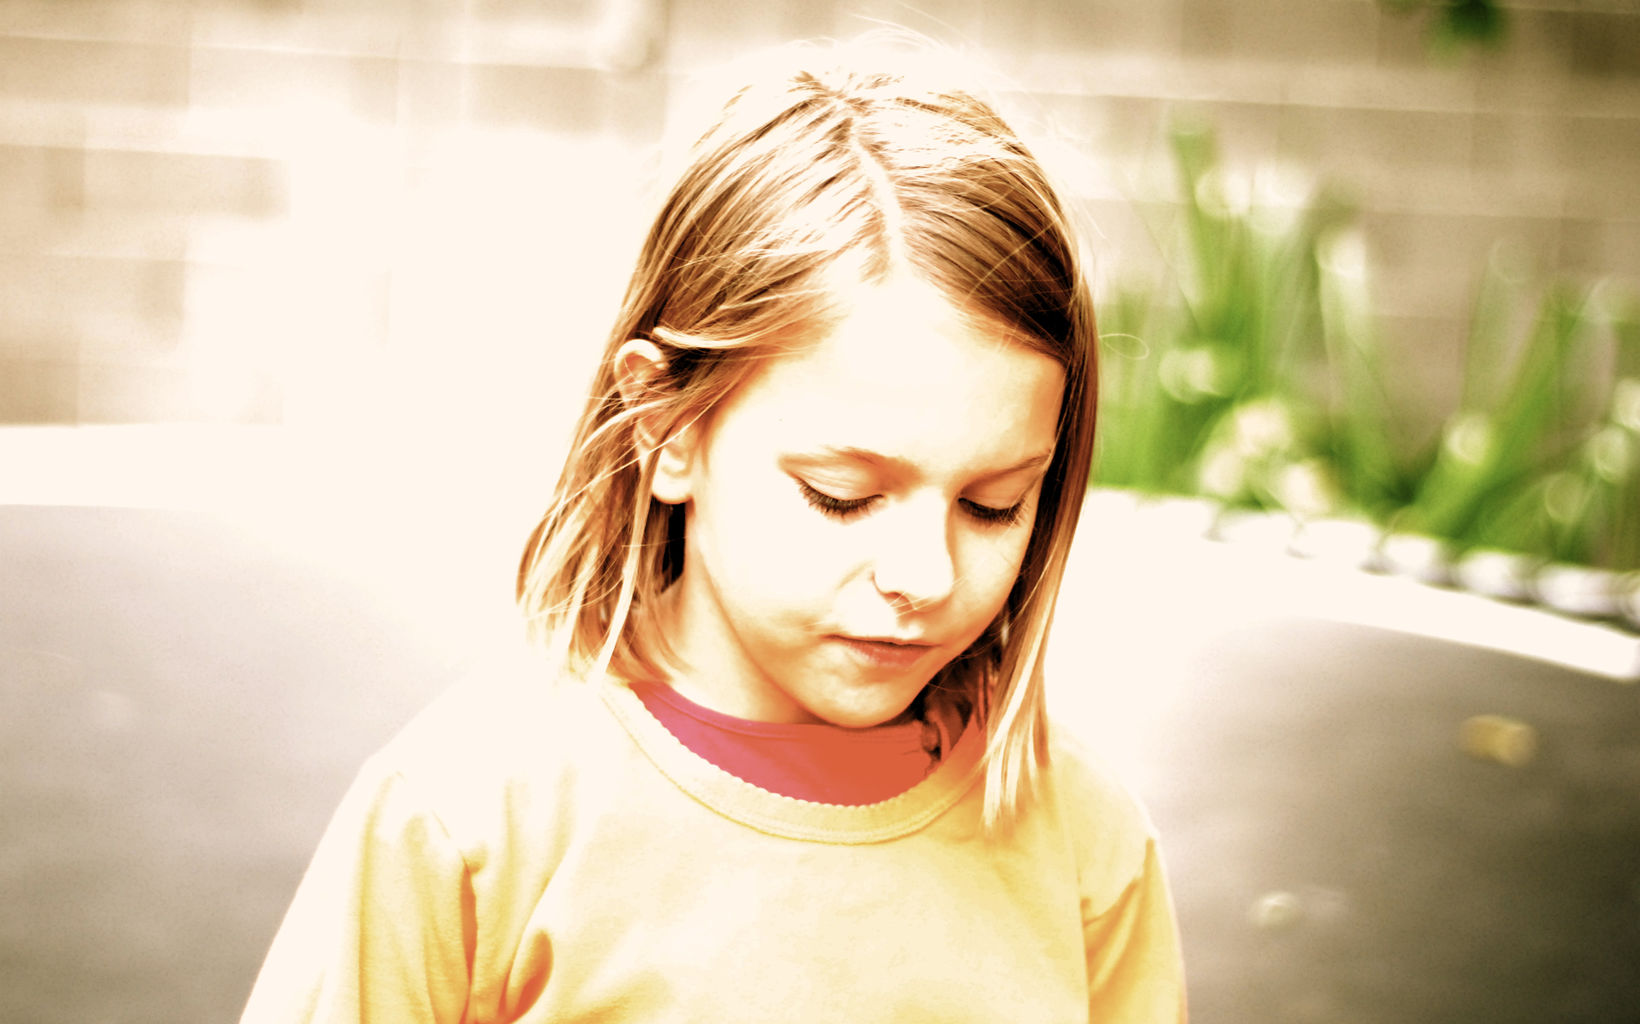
<point x="822" y="172"/>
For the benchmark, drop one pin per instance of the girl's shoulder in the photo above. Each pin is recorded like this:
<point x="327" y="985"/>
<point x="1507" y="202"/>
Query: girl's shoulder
<point x="1088" y="778"/>
<point x="498" y="745"/>
<point x="509" y="696"/>
<point x="1113" y="832"/>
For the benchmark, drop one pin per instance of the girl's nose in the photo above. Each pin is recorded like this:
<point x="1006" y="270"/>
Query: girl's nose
<point x="914" y="564"/>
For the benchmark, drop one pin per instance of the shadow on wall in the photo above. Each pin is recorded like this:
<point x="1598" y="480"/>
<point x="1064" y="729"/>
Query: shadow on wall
<point x="182" y="709"/>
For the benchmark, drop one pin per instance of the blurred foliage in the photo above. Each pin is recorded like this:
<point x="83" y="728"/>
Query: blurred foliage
<point x="1456" y="24"/>
<point x="1543" y="456"/>
<point x="1256" y="378"/>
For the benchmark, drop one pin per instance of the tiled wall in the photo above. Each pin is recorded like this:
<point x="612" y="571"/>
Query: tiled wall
<point x="391" y="211"/>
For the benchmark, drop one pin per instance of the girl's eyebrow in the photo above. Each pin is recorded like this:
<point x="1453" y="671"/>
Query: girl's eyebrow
<point x="905" y="469"/>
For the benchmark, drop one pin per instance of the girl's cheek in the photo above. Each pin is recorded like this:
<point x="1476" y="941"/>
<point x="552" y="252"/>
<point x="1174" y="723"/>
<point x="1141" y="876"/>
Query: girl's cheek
<point x="992" y="565"/>
<point x="822" y="552"/>
<point x="781" y="541"/>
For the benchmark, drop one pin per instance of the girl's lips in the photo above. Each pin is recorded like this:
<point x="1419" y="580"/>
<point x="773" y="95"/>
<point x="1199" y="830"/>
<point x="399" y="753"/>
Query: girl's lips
<point x="887" y="654"/>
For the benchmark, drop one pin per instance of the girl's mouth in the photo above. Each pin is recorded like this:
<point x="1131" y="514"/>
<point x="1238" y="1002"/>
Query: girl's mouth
<point x="884" y="653"/>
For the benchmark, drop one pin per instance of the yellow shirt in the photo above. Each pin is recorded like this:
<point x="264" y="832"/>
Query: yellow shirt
<point x="530" y="852"/>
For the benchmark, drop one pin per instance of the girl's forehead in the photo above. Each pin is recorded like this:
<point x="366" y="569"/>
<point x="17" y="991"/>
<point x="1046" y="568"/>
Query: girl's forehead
<point x="862" y="319"/>
<point x="902" y="368"/>
<point x="906" y="335"/>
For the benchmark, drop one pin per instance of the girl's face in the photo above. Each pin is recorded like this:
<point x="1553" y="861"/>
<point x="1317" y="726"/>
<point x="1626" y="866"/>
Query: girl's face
<point x="857" y="511"/>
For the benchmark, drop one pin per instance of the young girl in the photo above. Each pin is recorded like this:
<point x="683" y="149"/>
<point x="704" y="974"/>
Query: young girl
<point x="783" y="754"/>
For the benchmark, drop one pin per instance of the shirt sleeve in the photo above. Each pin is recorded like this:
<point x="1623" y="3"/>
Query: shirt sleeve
<point x="1135" y="969"/>
<point x="381" y="928"/>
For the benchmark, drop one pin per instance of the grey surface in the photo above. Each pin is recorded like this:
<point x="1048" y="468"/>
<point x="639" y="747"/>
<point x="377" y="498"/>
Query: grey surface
<point x="181" y="707"/>
<point x="1338" y="857"/>
<point x="180" y="710"/>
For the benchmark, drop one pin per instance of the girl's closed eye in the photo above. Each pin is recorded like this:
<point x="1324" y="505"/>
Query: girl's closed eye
<point x="993" y="516"/>
<point x="836" y="508"/>
<point x="847" y="508"/>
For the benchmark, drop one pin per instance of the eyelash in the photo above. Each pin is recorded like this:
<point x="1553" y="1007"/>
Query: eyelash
<point x="847" y="508"/>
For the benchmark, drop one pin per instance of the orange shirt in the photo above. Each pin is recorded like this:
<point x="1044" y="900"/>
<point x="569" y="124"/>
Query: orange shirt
<point x="811" y="761"/>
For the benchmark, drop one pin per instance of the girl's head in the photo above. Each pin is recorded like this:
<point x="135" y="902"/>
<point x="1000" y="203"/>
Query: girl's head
<point x="849" y="398"/>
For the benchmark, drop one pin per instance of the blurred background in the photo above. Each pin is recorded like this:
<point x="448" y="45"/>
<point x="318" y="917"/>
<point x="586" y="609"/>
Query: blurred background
<point x="297" y="302"/>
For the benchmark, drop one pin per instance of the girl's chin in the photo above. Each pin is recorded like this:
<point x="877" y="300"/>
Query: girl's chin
<point x="886" y="706"/>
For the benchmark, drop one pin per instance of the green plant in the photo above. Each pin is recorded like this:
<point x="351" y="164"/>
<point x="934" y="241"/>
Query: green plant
<point x="1543" y="457"/>
<point x="1257" y="379"/>
<point x="1253" y="379"/>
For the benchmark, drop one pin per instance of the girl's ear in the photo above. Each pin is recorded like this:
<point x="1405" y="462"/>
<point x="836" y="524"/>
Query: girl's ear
<point x="639" y="366"/>
<point x="673" y="480"/>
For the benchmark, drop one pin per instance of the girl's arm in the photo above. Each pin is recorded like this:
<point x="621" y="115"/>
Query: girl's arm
<point x="1135" y="968"/>
<point x="381" y="927"/>
<point x="1135" y="973"/>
